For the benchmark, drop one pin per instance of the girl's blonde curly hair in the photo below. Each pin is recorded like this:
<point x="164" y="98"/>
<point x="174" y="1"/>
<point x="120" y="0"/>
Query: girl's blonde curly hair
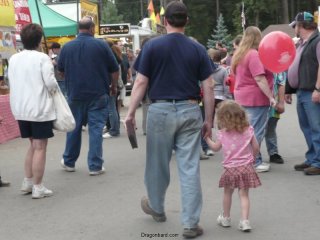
<point x="232" y="117"/>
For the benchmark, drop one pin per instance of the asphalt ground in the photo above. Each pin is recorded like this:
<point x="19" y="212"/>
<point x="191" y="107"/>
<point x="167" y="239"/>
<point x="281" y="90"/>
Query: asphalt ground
<point x="285" y="207"/>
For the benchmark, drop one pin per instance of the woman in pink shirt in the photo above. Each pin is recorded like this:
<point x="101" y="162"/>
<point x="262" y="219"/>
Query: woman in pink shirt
<point x="253" y="84"/>
<point x="240" y="147"/>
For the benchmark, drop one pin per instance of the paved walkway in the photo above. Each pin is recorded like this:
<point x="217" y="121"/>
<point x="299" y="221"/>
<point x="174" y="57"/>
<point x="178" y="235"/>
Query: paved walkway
<point x="286" y="207"/>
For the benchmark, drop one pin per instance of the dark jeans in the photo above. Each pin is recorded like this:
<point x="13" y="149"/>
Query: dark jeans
<point x="204" y="144"/>
<point x="309" y="120"/>
<point x="93" y="113"/>
<point x="113" y="119"/>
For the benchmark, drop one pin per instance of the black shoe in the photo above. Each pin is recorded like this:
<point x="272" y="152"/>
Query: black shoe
<point x="4" y="183"/>
<point x="276" y="158"/>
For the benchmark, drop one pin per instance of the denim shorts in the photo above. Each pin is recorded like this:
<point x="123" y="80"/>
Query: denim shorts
<point x="36" y="130"/>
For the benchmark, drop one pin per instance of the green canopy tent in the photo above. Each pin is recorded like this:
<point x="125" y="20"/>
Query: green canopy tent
<point x="53" y="23"/>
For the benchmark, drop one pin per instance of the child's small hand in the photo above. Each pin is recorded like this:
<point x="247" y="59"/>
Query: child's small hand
<point x="272" y="102"/>
<point x="213" y="145"/>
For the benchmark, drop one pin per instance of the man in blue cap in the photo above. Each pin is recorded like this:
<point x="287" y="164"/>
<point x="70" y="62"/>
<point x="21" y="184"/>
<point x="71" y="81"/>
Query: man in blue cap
<point x="304" y="77"/>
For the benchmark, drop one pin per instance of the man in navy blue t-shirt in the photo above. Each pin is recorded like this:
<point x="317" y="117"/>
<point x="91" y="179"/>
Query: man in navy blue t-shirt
<point x="87" y="64"/>
<point x="171" y="67"/>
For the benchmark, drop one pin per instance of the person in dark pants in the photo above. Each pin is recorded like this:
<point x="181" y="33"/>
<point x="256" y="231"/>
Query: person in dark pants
<point x="274" y="116"/>
<point x="55" y="48"/>
<point x="221" y="91"/>
<point x="87" y="64"/>
<point x="170" y="66"/>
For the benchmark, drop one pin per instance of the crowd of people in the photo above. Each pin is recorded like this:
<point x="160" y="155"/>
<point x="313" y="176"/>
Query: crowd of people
<point x="186" y="91"/>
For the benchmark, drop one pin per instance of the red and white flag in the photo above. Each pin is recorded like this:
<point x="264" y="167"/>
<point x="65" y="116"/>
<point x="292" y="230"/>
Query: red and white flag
<point x="22" y="13"/>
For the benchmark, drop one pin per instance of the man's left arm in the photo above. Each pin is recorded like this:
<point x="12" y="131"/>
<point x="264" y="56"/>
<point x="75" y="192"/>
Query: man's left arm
<point x="316" y="92"/>
<point x="208" y="100"/>
<point x="281" y="98"/>
<point x="137" y="94"/>
<point x="129" y="75"/>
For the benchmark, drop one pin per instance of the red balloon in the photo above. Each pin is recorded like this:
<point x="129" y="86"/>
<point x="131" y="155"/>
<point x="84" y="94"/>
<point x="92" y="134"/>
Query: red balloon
<point x="277" y="51"/>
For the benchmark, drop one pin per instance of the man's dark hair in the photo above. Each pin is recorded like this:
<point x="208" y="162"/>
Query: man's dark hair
<point x="86" y="24"/>
<point x="31" y="36"/>
<point x="308" y="25"/>
<point x="55" y="45"/>
<point x="176" y="14"/>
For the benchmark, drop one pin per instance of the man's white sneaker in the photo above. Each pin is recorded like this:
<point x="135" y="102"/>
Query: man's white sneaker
<point x="224" y="221"/>
<point x="66" y="168"/>
<point x="26" y="186"/>
<point x="263" y="167"/>
<point x="244" y="225"/>
<point x="41" y="191"/>
<point x="106" y="135"/>
<point x="209" y="152"/>
<point x="96" y="173"/>
<point x="203" y="156"/>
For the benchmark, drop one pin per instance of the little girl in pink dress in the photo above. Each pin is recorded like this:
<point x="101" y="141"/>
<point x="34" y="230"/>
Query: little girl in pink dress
<point x="240" y="147"/>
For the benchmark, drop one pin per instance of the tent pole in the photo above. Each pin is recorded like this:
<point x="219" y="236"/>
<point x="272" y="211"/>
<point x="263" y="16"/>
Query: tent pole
<point x="78" y="15"/>
<point x="40" y="20"/>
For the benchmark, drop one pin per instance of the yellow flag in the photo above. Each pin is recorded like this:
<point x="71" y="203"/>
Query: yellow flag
<point x="162" y="11"/>
<point x="153" y="21"/>
<point x="153" y="17"/>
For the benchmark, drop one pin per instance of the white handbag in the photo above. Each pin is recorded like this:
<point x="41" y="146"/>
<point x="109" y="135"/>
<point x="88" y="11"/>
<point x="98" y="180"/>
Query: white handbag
<point x="65" y="121"/>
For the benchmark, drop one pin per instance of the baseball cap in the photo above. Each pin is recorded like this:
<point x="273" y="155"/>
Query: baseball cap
<point x="302" y="17"/>
<point x="176" y="9"/>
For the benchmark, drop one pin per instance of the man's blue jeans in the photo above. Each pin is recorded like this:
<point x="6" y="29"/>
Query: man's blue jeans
<point x="271" y="136"/>
<point x="258" y="117"/>
<point x="174" y="126"/>
<point x="113" y="116"/>
<point x="309" y="120"/>
<point x="93" y="113"/>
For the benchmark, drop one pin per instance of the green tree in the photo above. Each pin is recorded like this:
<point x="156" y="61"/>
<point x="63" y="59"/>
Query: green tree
<point x="109" y="13"/>
<point x="201" y="20"/>
<point x="220" y="34"/>
<point x="131" y="10"/>
<point x="134" y="11"/>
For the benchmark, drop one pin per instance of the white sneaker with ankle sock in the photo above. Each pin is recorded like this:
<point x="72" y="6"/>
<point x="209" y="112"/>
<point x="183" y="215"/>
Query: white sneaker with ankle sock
<point x="40" y="191"/>
<point x="244" y="225"/>
<point x="224" y="221"/>
<point x="27" y="185"/>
